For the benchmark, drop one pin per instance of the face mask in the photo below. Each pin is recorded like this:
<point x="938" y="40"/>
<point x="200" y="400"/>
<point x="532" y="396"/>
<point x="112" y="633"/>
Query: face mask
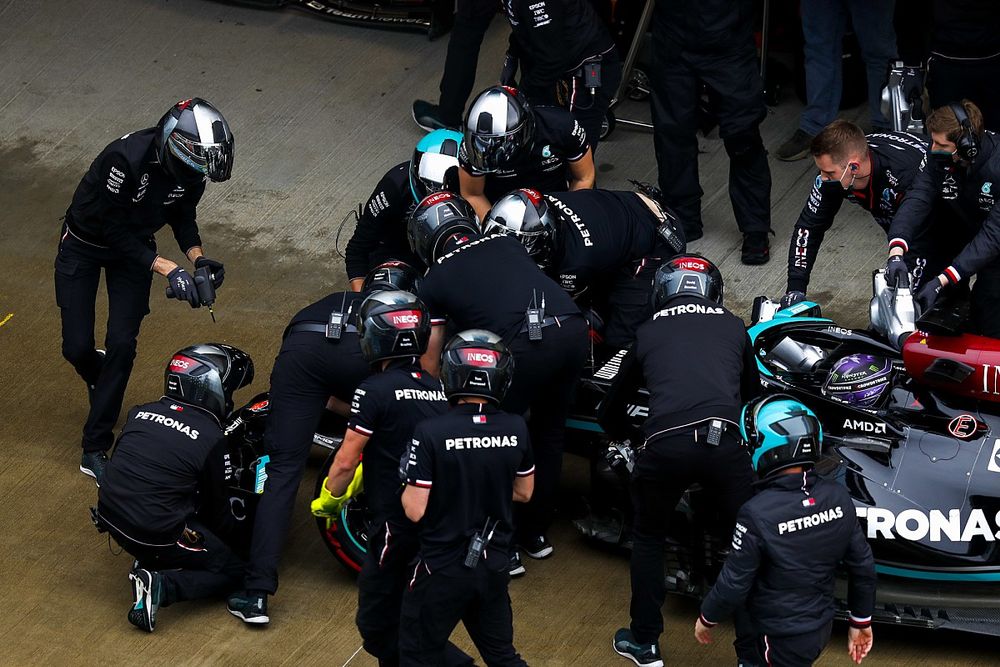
<point x="944" y="159"/>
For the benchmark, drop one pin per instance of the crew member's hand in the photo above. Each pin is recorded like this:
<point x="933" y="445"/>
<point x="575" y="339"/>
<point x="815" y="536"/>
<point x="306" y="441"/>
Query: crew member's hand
<point x="329" y="505"/>
<point x="702" y="632"/>
<point x="859" y="643"/>
<point x="216" y="268"/>
<point x="791" y="298"/>
<point x="929" y="293"/>
<point x="896" y="273"/>
<point x="183" y="287"/>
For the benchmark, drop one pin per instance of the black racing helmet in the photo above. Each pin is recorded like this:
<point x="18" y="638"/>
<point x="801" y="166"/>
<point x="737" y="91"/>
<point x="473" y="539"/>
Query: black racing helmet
<point x="527" y="216"/>
<point x="207" y="375"/>
<point x="393" y="325"/>
<point x="476" y="363"/>
<point x="499" y="129"/>
<point x="391" y="275"/>
<point x="193" y="141"/>
<point x="437" y="218"/>
<point x="686" y="275"/>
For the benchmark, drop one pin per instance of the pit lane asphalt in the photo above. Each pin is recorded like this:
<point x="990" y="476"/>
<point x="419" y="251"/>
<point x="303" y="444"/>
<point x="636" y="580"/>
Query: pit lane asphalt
<point x="319" y="112"/>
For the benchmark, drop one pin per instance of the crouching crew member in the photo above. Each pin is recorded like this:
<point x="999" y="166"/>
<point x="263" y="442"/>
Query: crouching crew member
<point x="393" y="327"/>
<point x="602" y="247"/>
<point x="319" y="366"/>
<point x="170" y="459"/>
<point x="463" y="473"/>
<point x="138" y="184"/>
<point x="489" y="282"/>
<point x="789" y="540"/>
<point x="874" y="171"/>
<point x="510" y="144"/>
<point x="696" y="360"/>
<point x="380" y="234"/>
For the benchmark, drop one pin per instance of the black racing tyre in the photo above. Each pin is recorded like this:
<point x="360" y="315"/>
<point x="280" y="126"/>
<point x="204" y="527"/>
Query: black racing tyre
<point x="608" y="124"/>
<point x="639" y="86"/>
<point x="346" y="536"/>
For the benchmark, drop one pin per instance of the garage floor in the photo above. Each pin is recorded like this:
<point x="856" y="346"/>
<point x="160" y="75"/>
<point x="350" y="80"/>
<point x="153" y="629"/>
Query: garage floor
<point x="320" y="111"/>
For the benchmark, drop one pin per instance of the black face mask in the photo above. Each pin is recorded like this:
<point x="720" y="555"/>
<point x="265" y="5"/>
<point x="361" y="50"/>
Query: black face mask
<point x="944" y="160"/>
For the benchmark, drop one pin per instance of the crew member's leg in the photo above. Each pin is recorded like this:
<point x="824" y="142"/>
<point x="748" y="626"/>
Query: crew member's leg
<point x="872" y="23"/>
<point x="795" y="650"/>
<point x="192" y="571"/>
<point x="490" y="621"/>
<point x="77" y="276"/>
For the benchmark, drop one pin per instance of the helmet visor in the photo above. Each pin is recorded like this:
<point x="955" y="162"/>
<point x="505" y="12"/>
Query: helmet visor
<point x="797" y="426"/>
<point x="212" y="160"/>
<point x="492" y="152"/>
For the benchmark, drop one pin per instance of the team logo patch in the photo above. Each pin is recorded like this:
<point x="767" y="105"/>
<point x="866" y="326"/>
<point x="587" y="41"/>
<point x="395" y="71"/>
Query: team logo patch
<point x="478" y="357"/>
<point x="259" y="405"/>
<point x="963" y="427"/>
<point x="478" y="419"/>
<point x="182" y="364"/>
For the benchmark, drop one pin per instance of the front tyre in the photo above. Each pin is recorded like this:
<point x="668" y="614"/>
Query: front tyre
<point x="346" y="536"/>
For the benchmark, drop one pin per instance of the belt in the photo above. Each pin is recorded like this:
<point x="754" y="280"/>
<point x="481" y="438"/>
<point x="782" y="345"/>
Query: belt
<point x="316" y="327"/>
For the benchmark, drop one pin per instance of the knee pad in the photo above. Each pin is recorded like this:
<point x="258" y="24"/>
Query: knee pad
<point x="744" y="146"/>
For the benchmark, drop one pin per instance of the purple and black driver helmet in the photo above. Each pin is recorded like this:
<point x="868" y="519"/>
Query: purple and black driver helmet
<point x="859" y="379"/>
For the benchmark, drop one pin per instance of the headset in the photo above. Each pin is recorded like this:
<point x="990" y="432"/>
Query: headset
<point x="967" y="144"/>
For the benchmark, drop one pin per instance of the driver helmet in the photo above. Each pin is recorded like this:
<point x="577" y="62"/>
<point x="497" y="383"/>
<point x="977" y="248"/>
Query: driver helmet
<point x="193" y="141"/>
<point x="206" y="375"/>
<point x="393" y="325"/>
<point x="499" y="129"/>
<point x="476" y="363"/>
<point x="437" y="218"/>
<point x="780" y="432"/>
<point x="861" y="380"/>
<point x="525" y="215"/>
<point x="434" y="165"/>
<point x="686" y="275"/>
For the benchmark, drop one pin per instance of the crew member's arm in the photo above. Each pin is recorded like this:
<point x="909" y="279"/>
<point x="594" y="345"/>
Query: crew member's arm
<point x="183" y="221"/>
<point x="524" y="478"/>
<point x="983" y="249"/>
<point x="215" y="511"/>
<point x="611" y="414"/>
<point x="473" y="189"/>
<point x="365" y="417"/>
<point x="915" y="210"/>
<point x="419" y="476"/>
<point x="814" y="221"/>
<point x="860" y="566"/>
<point x="541" y="33"/>
<point x="384" y="213"/>
<point x="735" y="580"/>
<point x="582" y="174"/>
<point x="431" y="359"/>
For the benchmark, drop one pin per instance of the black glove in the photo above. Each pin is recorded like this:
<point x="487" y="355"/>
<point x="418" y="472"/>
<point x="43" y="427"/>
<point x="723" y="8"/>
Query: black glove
<point x="182" y="287"/>
<point x="929" y="294"/>
<point x="896" y="273"/>
<point x="217" y="270"/>
<point x="791" y="298"/>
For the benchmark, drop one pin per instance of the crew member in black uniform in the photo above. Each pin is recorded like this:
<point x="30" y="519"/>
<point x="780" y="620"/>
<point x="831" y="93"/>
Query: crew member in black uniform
<point x="380" y="234"/>
<point x="567" y="58"/>
<point x="463" y="473"/>
<point x="138" y="184"/>
<point x="319" y="366"/>
<point x="489" y="282"/>
<point x="711" y="43"/>
<point x="393" y="327"/>
<point x="789" y="541"/>
<point x="163" y="496"/>
<point x="955" y="192"/>
<point x="696" y="361"/>
<point x="602" y="247"/>
<point x="510" y="144"/>
<point x="874" y="172"/>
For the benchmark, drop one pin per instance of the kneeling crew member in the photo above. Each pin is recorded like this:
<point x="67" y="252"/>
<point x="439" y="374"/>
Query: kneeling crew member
<point x="696" y="360"/>
<point x="380" y="234"/>
<point x="463" y="473"/>
<point x="171" y="458"/>
<point x="510" y="144"/>
<point x="602" y="247"/>
<point x="789" y="540"/>
<point x="138" y="184"/>
<point x="874" y="171"/>
<point x="393" y="327"/>
<point x="319" y="365"/>
<point x="489" y="282"/>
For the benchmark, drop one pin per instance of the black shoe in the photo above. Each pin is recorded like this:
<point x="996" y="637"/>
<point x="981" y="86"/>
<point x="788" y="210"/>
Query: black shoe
<point x="146" y="587"/>
<point x="645" y="655"/>
<point x="693" y="234"/>
<point x="428" y="117"/>
<point x="93" y="464"/>
<point x="537" y="547"/>
<point x="248" y="607"/>
<point x="756" y="248"/>
<point x="796" y="148"/>
<point x="516" y="566"/>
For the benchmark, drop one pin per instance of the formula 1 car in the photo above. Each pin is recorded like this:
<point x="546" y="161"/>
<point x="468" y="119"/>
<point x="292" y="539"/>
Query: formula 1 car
<point x="428" y="16"/>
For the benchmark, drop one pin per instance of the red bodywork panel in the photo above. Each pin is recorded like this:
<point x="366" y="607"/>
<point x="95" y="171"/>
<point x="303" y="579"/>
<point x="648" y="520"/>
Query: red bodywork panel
<point x="980" y="353"/>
